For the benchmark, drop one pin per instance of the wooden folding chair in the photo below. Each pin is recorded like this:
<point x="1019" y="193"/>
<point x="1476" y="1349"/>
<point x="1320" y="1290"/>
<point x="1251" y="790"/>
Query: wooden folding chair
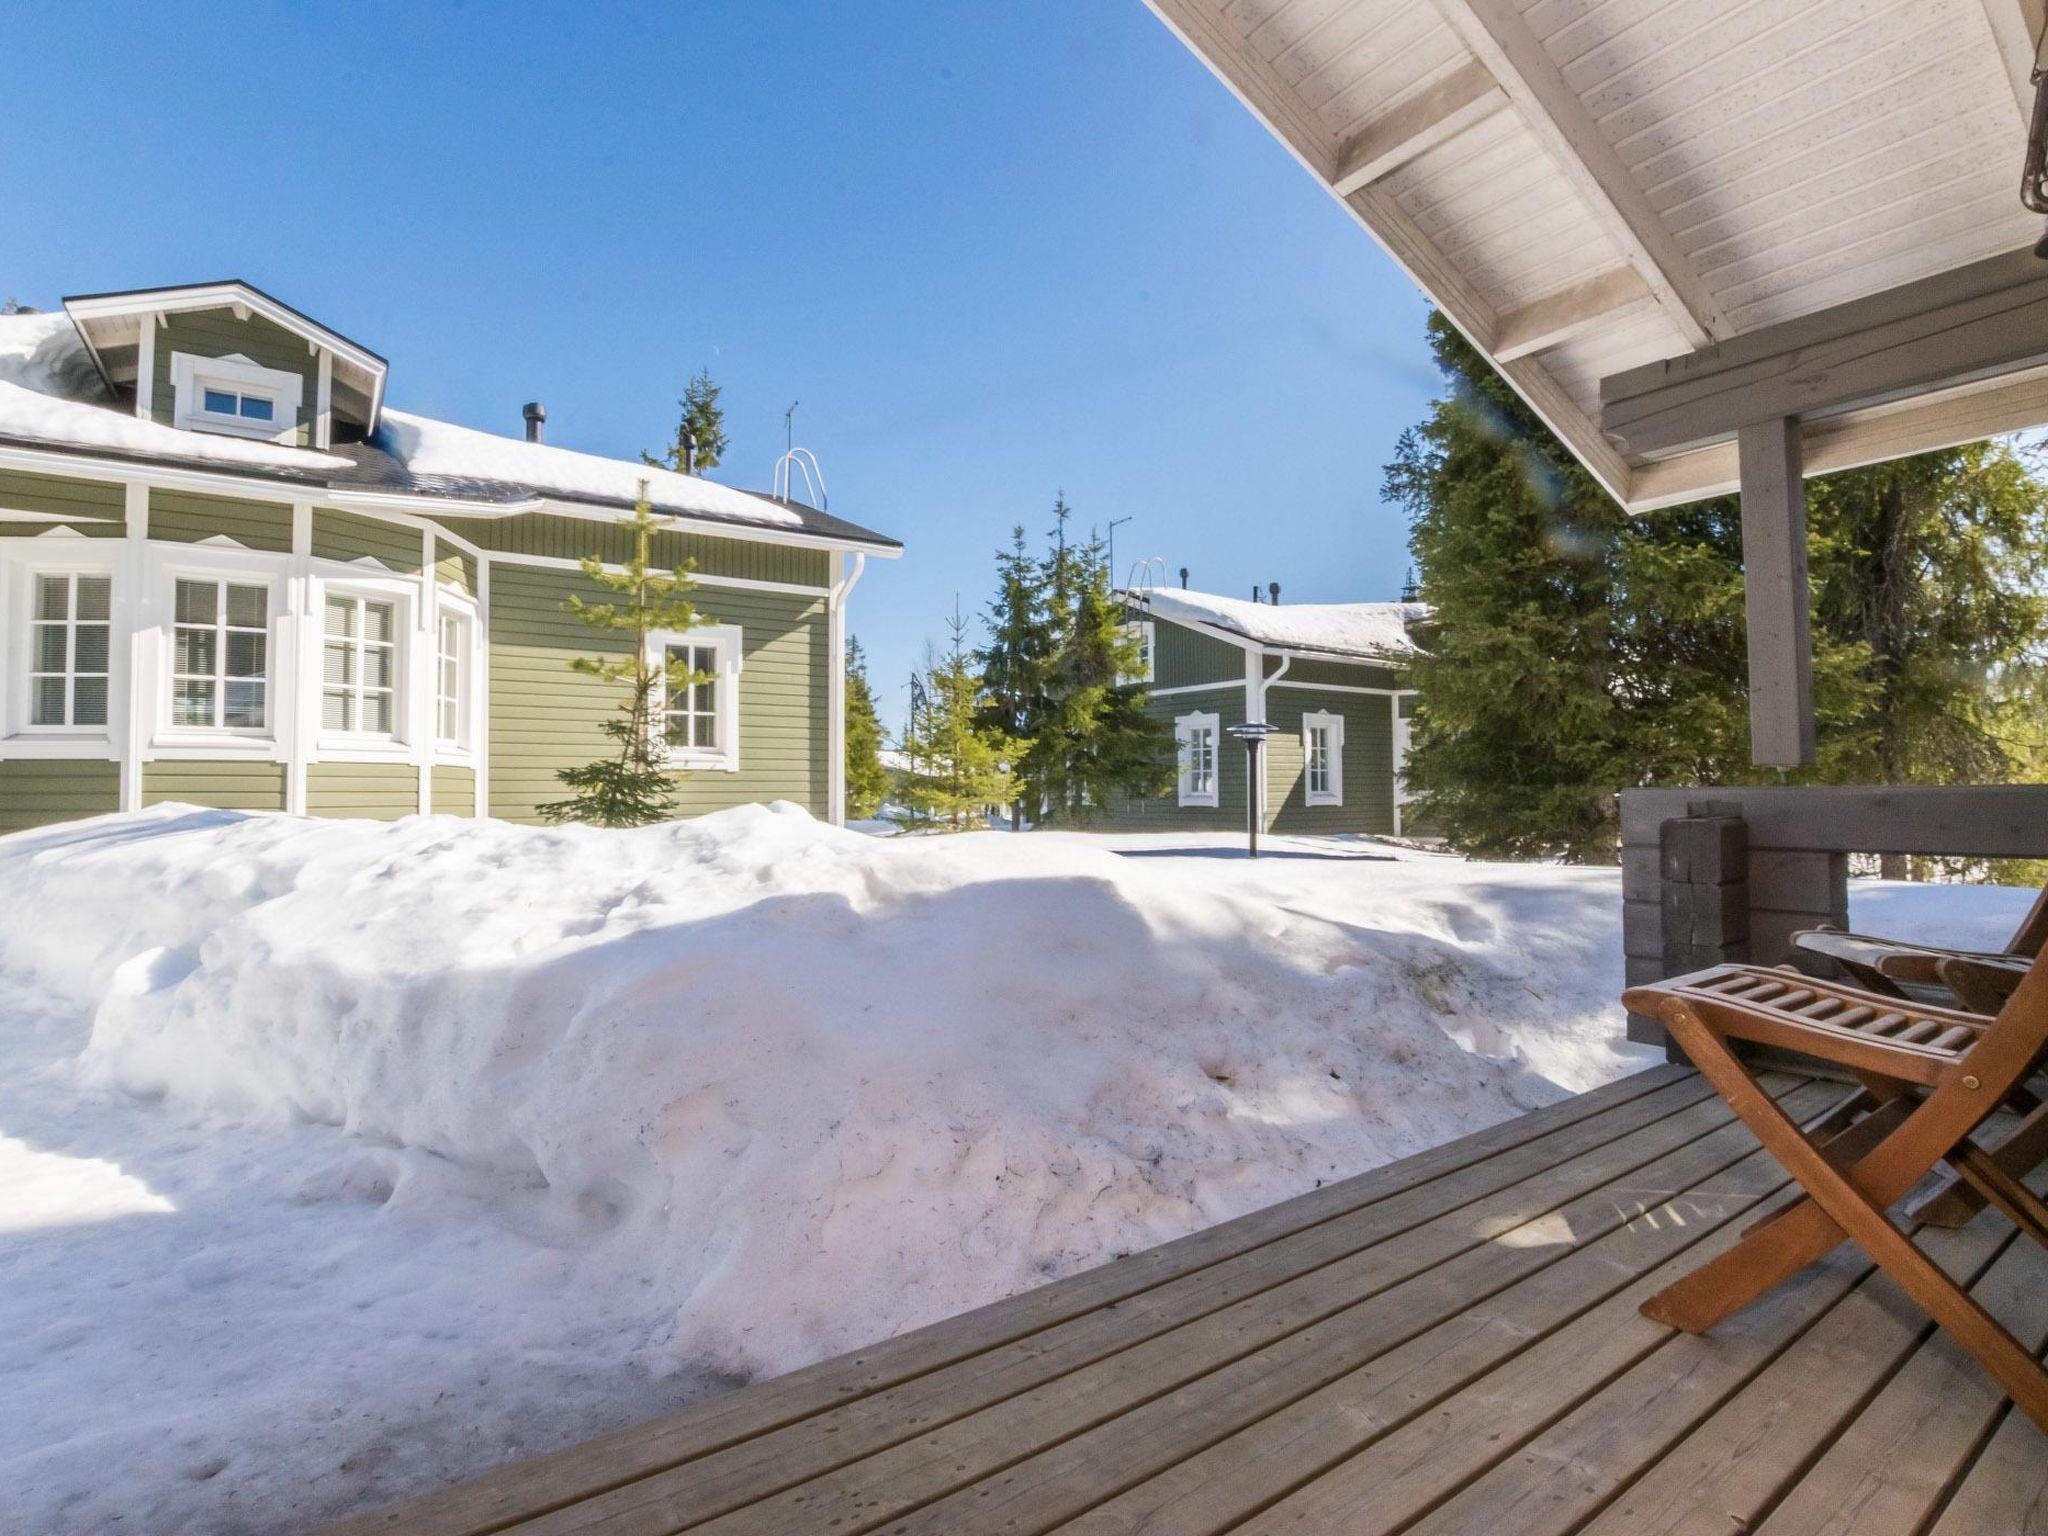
<point x="1931" y="1076"/>
<point x="1902" y="968"/>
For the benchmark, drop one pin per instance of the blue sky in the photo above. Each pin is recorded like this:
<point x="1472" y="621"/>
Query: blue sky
<point x="995" y="251"/>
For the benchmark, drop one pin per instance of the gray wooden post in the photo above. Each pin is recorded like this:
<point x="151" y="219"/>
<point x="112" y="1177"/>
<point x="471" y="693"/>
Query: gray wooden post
<point x="1775" y="594"/>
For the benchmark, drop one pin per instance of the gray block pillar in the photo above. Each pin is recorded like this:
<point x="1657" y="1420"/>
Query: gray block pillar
<point x="1699" y="916"/>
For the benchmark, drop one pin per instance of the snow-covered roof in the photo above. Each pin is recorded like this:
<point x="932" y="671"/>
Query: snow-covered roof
<point x="52" y="395"/>
<point x="1366" y="631"/>
<point x="439" y="448"/>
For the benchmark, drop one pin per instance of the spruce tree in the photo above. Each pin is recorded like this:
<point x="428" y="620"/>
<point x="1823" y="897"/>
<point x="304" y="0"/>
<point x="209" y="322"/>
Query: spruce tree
<point x="959" y="766"/>
<point x="1016" y="661"/>
<point x="1516" y="747"/>
<point x="702" y="424"/>
<point x="1575" y="651"/>
<point x="867" y="782"/>
<point x="633" y="787"/>
<point x="1095" y="741"/>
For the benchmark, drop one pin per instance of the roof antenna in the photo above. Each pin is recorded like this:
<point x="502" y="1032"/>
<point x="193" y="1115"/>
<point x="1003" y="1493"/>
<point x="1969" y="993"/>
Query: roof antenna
<point x="796" y="461"/>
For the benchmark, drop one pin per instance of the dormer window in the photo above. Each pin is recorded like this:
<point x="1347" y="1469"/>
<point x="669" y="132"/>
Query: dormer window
<point x="242" y="405"/>
<point x="235" y="395"/>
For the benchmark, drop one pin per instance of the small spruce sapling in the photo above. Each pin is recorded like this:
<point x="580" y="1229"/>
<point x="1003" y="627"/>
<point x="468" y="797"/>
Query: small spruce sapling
<point x="635" y="786"/>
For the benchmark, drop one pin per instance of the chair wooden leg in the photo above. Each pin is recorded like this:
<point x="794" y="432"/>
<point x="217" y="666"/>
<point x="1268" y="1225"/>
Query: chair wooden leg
<point x="1983" y="1172"/>
<point x="2019" y="1154"/>
<point x="1777" y="1249"/>
<point x="1860" y="1216"/>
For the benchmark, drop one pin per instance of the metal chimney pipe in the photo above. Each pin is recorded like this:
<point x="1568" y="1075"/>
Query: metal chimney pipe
<point x="1273" y="591"/>
<point x="1183" y="578"/>
<point x="687" y="443"/>
<point x="1255" y="591"/>
<point x="536" y="416"/>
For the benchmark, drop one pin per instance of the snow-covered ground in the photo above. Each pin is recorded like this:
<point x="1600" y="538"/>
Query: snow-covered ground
<point x="338" y="1160"/>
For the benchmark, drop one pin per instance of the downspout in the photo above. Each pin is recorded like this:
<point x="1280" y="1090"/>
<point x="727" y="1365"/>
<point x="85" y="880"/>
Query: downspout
<point x="1265" y="682"/>
<point x="835" y="606"/>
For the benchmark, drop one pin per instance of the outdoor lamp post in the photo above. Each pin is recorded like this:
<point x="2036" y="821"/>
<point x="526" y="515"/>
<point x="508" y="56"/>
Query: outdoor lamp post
<point x="1253" y="734"/>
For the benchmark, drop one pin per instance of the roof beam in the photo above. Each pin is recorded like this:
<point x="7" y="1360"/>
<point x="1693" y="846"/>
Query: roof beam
<point x="1977" y="322"/>
<point x="1498" y="37"/>
<point x="1562" y="315"/>
<point x="1463" y="99"/>
<point x="1275" y="103"/>
<point x="2016" y="26"/>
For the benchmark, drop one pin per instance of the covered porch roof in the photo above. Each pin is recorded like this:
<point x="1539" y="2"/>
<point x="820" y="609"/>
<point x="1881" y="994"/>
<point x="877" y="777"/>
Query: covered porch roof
<point x="1713" y="244"/>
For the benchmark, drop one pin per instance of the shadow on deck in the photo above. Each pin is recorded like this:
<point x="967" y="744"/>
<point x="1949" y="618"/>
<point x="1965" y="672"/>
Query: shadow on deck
<point x="1447" y="1345"/>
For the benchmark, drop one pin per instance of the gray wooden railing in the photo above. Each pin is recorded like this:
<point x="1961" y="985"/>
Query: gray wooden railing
<point x="1709" y="875"/>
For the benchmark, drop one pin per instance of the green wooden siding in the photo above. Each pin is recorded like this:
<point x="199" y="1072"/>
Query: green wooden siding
<point x="182" y="518"/>
<point x="1164" y="813"/>
<point x="573" y="538"/>
<point x="1181" y="656"/>
<point x="232" y="785"/>
<point x="217" y="333"/>
<point x="346" y="536"/>
<point x="543" y="717"/>
<point x="454" y="790"/>
<point x="368" y="791"/>
<point x="91" y="507"/>
<point x="37" y="791"/>
<point x="1368" y="777"/>
<point x="455" y="567"/>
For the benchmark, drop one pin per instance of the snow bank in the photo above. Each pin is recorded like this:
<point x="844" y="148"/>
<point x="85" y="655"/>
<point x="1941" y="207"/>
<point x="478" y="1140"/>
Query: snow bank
<point x="1349" y="629"/>
<point x="498" y="1135"/>
<point x="431" y="447"/>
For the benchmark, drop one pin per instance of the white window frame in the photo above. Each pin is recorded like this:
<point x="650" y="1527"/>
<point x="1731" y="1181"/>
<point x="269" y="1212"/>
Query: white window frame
<point x="270" y="577"/>
<point x="192" y="376"/>
<point x="725" y="643"/>
<point x="450" y="606"/>
<point x="1148" y="657"/>
<point x="360" y="643"/>
<point x="364" y="746"/>
<point x="1332" y="724"/>
<point x="1184" y="729"/>
<point x="22" y="562"/>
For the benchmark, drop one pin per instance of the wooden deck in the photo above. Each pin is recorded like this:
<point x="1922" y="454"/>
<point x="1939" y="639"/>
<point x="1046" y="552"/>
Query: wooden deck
<point x="1447" y="1345"/>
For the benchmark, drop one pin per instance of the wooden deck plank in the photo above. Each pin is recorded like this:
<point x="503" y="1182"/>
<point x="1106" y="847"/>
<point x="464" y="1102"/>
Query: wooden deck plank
<point x="1568" y="1473"/>
<point x="2006" y="1489"/>
<point x="875" y="1488"/>
<point x="496" y="1499"/>
<point x="1413" y="1228"/>
<point x="1895" y="1465"/>
<point x="1213" y="1488"/>
<point x="1673" y="1202"/>
<point x="1450" y="1346"/>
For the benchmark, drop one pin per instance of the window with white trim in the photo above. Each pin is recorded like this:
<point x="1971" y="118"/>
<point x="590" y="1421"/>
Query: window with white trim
<point x="1196" y="737"/>
<point x="70" y="650"/>
<point x="359" y="666"/>
<point x="220" y="654"/>
<point x="1141" y="631"/>
<point x="236" y="395"/>
<point x="1322" y="754"/>
<point x="451" y="679"/>
<point x="696" y="705"/>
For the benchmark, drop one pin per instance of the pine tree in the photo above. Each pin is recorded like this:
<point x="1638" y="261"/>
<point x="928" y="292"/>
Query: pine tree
<point x="867" y="782"/>
<point x="1095" y="741"/>
<point x="634" y="787"/>
<point x="1016" y="661"/>
<point x="702" y="425"/>
<point x="959" y="767"/>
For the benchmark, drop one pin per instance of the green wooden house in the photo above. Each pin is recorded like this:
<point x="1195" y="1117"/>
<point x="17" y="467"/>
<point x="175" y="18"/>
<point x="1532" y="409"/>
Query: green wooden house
<point x="231" y="575"/>
<point x="1330" y="676"/>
